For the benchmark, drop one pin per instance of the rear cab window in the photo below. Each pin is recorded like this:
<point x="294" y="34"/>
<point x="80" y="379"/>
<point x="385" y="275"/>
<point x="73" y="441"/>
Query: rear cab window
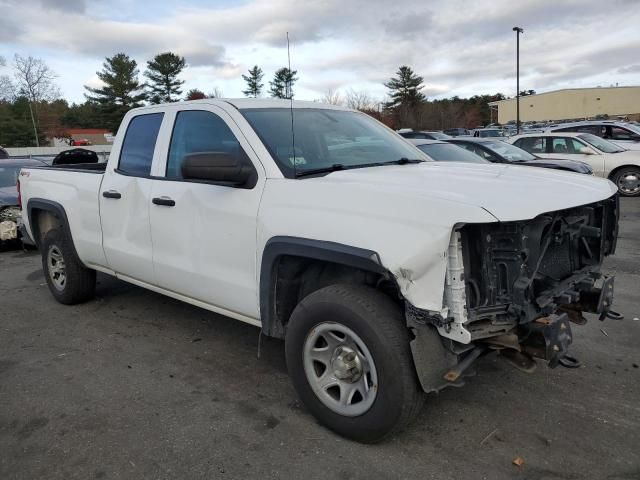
<point x="136" y="154"/>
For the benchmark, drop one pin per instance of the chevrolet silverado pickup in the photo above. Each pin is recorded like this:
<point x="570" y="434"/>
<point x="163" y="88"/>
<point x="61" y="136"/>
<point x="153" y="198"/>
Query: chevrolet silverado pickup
<point x="386" y="274"/>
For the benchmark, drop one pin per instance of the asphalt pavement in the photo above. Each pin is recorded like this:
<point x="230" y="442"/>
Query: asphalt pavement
<point x="135" y="385"/>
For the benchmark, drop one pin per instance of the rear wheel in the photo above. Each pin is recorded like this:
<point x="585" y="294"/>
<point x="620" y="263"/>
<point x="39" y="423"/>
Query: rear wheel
<point x="69" y="281"/>
<point x="627" y="179"/>
<point x="349" y="359"/>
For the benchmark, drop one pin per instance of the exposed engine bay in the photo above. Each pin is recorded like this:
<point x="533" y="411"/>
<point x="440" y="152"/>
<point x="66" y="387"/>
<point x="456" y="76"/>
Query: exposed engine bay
<point x="517" y="286"/>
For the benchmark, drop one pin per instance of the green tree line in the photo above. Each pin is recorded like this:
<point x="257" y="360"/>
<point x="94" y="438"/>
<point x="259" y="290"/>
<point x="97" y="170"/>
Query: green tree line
<point x="31" y="111"/>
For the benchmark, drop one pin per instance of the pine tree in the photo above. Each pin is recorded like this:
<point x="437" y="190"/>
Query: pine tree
<point x="254" y="87"/>
<point x="404" y="89"/>
<point x="282" y="84"/>
<point x="162" y="73"/>
<point x="121" y="91"/>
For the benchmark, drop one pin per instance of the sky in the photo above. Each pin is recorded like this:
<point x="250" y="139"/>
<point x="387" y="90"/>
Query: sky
<point x="460" y="47"/>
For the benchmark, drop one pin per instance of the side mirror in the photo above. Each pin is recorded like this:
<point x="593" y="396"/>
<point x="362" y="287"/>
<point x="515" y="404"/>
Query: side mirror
<point x="587" y="151"/>
<point x="219" y="167"/>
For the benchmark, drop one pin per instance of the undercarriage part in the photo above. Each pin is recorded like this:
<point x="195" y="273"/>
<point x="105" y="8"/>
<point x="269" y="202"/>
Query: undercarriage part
<point x="614" y="315"/>
<point x="520" y="360"/>
<point x="575" y="316"/>
<point x="454" y="374"/>
<point x="570" y="362"/>
<point x="547" y="338"/>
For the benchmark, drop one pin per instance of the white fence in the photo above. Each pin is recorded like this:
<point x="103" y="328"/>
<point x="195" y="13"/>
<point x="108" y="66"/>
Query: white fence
<point x="52" y="151"/>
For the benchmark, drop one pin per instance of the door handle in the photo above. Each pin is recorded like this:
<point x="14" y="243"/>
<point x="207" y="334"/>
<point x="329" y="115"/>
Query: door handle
<point x="111" y="194"/>
<point x="165" y="201"/>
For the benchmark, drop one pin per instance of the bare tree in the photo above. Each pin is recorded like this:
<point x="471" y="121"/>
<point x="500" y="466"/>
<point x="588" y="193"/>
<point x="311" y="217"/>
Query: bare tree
<point x="7" y="88"/>
<point x="360" y="100"/>
<point x="332" y="97"/>
<point x="35" y="80"/>
<point x="215" y="93"/>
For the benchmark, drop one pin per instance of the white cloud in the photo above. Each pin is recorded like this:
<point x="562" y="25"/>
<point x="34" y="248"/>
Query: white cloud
<point x="460" y="47"/>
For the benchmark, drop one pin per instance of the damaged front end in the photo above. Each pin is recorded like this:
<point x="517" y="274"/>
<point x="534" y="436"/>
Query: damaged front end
<point x="9" y="217"/>
<point x="517" y="286"/>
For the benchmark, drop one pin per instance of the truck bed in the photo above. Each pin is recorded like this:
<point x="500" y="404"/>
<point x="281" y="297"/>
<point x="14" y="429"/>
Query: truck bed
<point x="76" y="188"/>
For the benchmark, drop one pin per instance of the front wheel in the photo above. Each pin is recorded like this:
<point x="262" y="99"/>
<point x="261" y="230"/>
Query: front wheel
<point x="69" y="281"/>
<point x="627" y="179"/>
<point x="348" y="356"/>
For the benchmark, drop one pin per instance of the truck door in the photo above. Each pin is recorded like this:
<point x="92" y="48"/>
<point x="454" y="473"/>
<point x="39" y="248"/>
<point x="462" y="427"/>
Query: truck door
<point x="125" y="199"/>
<point x="204" y="234"/>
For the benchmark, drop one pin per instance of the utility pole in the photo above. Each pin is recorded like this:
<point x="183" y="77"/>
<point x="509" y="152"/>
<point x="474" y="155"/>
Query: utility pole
<point x="518" y="31"/>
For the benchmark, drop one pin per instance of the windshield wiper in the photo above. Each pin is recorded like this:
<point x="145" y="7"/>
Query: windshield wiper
<point x="402" y="161"/>
<point x="339" y="166"/>
<point x="332" y="168"/>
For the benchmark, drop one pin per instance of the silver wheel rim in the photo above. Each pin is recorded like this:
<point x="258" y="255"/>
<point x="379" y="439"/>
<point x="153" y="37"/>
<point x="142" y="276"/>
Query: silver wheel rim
<point x="55" y="264"/>
<point x="629" y="182"/>
<point x="340" y="369"/>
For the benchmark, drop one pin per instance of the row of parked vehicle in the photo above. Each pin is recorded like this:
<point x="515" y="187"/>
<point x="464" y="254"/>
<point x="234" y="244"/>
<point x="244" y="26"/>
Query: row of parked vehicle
<point x="605" y="149"/>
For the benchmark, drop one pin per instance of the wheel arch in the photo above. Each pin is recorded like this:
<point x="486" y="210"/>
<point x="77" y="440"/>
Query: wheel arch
<point x="613" y="172"/>
<point x="293" y="267"/>
<point x="45" y="215"/>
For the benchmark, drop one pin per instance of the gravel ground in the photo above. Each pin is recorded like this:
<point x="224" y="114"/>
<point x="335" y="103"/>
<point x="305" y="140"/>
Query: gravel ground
<point x="137" y="385"/>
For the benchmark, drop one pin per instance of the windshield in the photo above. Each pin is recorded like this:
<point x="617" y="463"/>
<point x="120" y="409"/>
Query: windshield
<point x="439" y="135"/>
<point x="447" y="152"/>
<point x="601" y="144"/>
<point x="633" y="127"/>
<point x="508" y="151"/>
<point x="327" y="138"/>
<point x="9" y="176"/>
<point x="490" y="133"/>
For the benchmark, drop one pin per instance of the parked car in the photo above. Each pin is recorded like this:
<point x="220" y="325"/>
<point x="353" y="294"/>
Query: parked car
<point x="387" y="274"/>
<point x="487" y="132"/>
<point x="607" y="159"/>
<point x="422" y="134"/>
<point x="623" y="134"/>
<point x="445" y="152"/>
<point x="456" y="132"/>
<point x="497" y="151"/>
<point x="10" y="218"/>
<point x="3" y="154"/>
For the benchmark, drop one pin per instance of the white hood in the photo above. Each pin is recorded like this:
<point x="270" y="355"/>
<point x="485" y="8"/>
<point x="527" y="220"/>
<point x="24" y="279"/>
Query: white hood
<point x="508" y="192"/>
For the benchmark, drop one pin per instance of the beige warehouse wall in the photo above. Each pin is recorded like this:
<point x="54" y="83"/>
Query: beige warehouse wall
<point x="578" y="103"/>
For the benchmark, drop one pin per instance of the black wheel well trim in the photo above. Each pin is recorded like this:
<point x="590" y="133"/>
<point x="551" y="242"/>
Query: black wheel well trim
<point x="52" y="207"/>
<point x="332" y="252"/>
<point x="613" y="172"/>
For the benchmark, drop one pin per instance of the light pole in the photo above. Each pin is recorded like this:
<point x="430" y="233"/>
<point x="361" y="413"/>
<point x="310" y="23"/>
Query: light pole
<point x="518" y="31"/>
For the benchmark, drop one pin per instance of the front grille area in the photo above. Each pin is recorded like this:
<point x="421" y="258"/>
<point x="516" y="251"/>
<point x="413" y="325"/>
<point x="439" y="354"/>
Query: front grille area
<point x="519" y="271"/>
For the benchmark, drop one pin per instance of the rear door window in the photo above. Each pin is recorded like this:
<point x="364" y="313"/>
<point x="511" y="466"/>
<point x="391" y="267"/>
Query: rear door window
<point x="139" y="143"/>
<point x="566" y="145"/>
<point x="532" y="144"/>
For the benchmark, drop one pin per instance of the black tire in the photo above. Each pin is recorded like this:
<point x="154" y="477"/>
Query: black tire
<point x="380" y="325"/>
<point x="80" y="281"/>
<point x="621" y="174"/>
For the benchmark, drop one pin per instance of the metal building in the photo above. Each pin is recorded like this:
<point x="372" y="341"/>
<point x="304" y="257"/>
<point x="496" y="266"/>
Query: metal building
<point x="572" y="103"/>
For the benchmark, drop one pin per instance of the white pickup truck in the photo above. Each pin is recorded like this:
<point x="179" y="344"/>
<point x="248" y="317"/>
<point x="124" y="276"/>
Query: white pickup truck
<point x="387" y="274"/>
